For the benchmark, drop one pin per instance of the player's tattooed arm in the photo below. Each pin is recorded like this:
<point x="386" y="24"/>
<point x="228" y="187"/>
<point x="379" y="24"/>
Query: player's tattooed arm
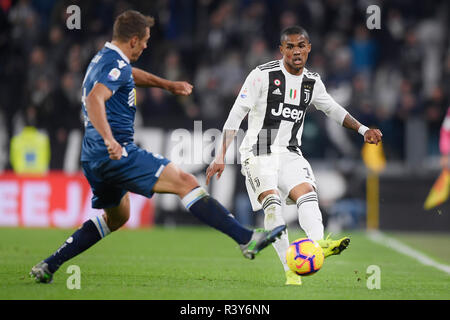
<point x="351" y="123"/>
<point x="146" y="79"/>
<point x="218" y="164"/>
<point x="372" y="136"/>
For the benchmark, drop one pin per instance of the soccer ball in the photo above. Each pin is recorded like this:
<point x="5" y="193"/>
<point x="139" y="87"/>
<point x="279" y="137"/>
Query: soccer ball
<point x="304" y="256"/>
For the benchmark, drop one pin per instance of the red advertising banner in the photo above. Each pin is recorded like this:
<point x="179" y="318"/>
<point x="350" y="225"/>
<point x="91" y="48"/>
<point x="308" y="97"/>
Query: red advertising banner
<point x="58" y="200"/>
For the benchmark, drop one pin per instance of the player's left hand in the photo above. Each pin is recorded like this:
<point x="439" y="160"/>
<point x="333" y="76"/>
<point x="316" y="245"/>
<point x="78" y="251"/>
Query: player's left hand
<point x="181" y="88"/>
<point x="215" y="167"/>
<point x="373" y="136"/>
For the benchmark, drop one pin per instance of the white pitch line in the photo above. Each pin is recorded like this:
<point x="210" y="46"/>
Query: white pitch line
<point x="396" y="245"/>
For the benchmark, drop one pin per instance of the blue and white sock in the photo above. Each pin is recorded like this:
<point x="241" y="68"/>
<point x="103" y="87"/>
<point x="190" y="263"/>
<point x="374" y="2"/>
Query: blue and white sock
<point x="210" y="211"/>
<point x="101" y="225"/>
<point x="85" y="237"/>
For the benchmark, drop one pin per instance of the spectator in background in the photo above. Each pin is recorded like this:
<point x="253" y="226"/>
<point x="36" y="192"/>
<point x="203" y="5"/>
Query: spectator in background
<point x="364" y="50"/>
<point x="230" y="73"/>
<point x="391" y="36"/>
<point x="411" y="56"/>
<point x="41" y="80"/>
<point x="362" y="99"/>
<point x="39" y="67"/>
<point x="157" y="106"/>
<point x="180" y="105"/>
<point x="76" y="57"/>
<point x="218" y="35"/>
<point x="24" y="19"/>
<point x="172" y="66"/>
<point x="41" y="98"/>
<point x="287" y="19"/>
<point x="407" y="103"/>
<point x="252" y="20"/>
<point x="57" y="48"/>
<point x="30" y="152"/>
<point x="258" y="54"/>
<point x="209" y="99"/>
<point x="65" y="116"/>
<point x="339" y="72"/>
<point x="435" y="108"/>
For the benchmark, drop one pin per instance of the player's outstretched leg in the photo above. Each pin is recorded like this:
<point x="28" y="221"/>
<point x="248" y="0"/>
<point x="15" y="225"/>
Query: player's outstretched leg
<point x="211" y="212"/>
<point x="260" y="239"/>
<point x="92" y="231"/>
<point x="310" y="219"/>
<point x="333" y="247"/>
<point x="271" y="204"/>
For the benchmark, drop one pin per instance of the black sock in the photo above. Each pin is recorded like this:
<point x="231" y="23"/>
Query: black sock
<point x="211" y="212"/>
<point x="82" y="239"/>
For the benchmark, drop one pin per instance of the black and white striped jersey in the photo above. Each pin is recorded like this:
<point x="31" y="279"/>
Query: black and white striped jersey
<point x="276" y="102"/>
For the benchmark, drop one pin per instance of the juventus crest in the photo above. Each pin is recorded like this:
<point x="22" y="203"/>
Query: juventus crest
<point x="307" y="88"/>
<point x="307" y="96"/>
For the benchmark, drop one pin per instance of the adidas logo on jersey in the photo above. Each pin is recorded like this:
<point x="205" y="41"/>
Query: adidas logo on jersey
<point x="132" y="98"/>
<point x="277" y="91"/>
<point x="287" y="112"/>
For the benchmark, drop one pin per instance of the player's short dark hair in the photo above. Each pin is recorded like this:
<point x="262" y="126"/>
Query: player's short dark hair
<point x="131" y="23"/>
<point x="293" y="30"/>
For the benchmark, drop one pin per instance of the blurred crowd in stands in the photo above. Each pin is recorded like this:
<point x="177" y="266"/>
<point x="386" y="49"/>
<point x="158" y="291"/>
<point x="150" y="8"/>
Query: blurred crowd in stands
<point x="383" y="77"/>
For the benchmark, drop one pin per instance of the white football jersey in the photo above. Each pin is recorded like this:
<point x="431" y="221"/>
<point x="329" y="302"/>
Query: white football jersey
<point x="276" y="102"/>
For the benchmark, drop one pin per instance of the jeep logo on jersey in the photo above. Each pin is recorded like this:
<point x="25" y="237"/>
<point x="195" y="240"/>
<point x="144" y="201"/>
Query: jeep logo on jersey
<point x="287" y="112"/>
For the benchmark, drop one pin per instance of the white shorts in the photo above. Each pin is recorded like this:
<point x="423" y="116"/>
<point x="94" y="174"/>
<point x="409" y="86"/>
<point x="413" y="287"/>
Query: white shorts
<point x="280" y="172"/>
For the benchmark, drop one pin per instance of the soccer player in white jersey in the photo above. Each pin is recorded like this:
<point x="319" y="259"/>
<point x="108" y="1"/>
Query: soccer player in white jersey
<point x="276" y="96"/>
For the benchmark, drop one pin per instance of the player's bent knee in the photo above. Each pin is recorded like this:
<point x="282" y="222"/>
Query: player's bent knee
<point x="264" y="194"/>
<point x="271" y="204"/>
<point x="300" y="190"/>
<point x="118" y="216"/>
<point x="117" y="222"/>
<point x="176" y="181"/>
<point x="187" y="183"/>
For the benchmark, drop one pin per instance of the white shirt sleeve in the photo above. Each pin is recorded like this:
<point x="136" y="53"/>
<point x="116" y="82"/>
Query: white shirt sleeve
<point x="245" y="101"/>
<point x="325" y="103"/>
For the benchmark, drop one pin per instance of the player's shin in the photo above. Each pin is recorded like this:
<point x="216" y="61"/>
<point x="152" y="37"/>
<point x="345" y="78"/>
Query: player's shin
<point x="309" y="215"/>
<point x="273" y="218"/>
<point x="210" y="211"/>
<point x="85" y="237"/>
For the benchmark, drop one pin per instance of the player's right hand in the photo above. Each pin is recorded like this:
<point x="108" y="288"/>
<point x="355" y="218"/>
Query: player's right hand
<point x="214" y="167"/>
<point x="181" y="88"/>
<point x="114" y="149"/>
<point x="373" y="136"/>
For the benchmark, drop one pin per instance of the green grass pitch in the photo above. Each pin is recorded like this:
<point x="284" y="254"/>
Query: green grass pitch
<point x="198" y="263"/>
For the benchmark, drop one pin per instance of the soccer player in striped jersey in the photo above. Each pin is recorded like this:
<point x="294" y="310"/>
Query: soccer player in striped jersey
<point x="114" y="165"/>
<point x="276" y="96"/>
